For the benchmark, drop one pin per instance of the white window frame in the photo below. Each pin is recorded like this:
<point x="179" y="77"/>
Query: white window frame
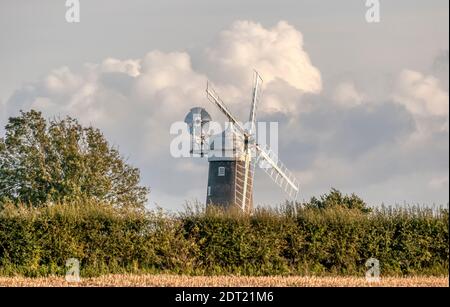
<point x="221" y="171"/>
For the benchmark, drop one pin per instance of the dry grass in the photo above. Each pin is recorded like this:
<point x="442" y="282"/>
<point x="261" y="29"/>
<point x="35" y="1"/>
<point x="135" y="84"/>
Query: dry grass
<point x="225" y="281"/>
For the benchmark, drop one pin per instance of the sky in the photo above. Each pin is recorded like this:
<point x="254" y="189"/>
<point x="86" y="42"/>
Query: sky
<point x="362" y="107"/>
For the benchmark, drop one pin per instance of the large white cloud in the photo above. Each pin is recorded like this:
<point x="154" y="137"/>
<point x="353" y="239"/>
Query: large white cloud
<point x="276" y="53"/>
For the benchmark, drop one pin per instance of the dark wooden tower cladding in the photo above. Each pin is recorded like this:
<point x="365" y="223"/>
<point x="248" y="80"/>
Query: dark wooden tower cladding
<point x="225" y="184"/>
<point x="221" y="183"/>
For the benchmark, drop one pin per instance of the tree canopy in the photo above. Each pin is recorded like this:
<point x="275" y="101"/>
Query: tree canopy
<point x="58" y="160"/>
<point x="336" y="199"/>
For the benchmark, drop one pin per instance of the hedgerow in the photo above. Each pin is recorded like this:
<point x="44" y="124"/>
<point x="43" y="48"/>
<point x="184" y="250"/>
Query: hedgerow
<point x="314" y="241"/>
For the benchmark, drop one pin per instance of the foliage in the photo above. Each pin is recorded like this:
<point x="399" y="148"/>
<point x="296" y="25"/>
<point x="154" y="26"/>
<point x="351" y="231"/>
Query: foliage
<point x="332" y="241"/>
<point x="336" y="199"/>
<point x="59" y="160"/>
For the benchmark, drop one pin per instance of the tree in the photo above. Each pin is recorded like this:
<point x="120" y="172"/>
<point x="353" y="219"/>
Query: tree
<point x="59" y="160"/>
<point x="336" y="199"/>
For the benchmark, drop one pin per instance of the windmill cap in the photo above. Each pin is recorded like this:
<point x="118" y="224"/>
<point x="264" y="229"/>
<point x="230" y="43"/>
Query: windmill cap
<point x="226" y="145"/>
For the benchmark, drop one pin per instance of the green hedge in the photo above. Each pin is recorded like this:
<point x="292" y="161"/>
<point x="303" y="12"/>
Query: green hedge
<point x="38" y="241"/>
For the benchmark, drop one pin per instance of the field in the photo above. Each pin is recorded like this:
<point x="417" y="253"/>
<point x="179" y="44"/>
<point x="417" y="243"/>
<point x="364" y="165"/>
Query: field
<point x="225" y="281"/>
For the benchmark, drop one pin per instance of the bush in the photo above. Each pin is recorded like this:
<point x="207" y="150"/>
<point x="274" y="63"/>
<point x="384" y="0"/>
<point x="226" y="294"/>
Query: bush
<point x="336" y="241"/>
<point x="335" y="199"/>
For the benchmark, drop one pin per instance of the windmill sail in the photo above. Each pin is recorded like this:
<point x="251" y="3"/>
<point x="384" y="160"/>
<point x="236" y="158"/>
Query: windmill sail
<point x="244" y="182"/>
<point x="214" y="98"/>
<point x="256" y="96"/>
<point x="279" y="173"/>
<point x="245" y="169"/>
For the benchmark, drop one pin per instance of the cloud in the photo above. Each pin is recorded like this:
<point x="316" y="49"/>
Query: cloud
<point x="169" y="79"/>
<point x="440" y="68"/>
<point x="348" y="140"/>
<point x="422" y="95"/>
<point x="439" y="182"/>
<point x="62" y="81"/>
<point x="129" y="67"/>
<point x="346" y="94"/>
<point x="277" y="53"/>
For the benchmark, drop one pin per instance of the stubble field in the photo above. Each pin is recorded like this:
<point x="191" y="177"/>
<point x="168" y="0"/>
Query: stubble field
<point x="130" y="280"/>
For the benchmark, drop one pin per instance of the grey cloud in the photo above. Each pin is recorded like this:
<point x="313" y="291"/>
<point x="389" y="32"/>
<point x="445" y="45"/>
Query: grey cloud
<point x="359" y="130"/>
<point x="349" y="133"/>
<point x="440" y="68"/>
<point x="117" y="81"/>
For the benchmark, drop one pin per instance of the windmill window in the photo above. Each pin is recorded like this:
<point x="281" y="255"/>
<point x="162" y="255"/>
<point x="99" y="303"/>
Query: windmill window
<point x="221" y="171"/>
<point x="209" y="190"/>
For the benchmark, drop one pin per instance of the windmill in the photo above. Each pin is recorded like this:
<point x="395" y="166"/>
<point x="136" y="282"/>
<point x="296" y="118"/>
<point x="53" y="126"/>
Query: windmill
<point x="234" y="154"/>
